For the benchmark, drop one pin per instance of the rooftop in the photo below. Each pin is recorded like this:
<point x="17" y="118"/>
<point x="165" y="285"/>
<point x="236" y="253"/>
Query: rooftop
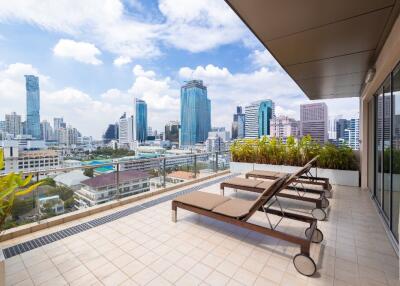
<point x="143" y="247"/>
<point x="110" y="179"/>
<point x="181" y="175"/>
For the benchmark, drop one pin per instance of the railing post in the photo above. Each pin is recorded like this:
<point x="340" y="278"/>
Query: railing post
<point x="117" y="193"/>
<point x="216" y="162"/>
<point x="164" y="171"/>
<point x="195" y="166"/>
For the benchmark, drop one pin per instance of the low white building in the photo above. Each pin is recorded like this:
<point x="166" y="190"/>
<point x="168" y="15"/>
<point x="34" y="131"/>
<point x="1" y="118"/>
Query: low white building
<point x="54" y="203"/>
<point x="29" y="161"/>
<point x="72" y="179"/>
<point x="103" y="188"/>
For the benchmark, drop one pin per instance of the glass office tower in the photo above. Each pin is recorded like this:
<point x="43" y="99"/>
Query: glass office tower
<point x="141" y="120"/>
<point x="257" y="118"/>
<point x="32" y="106"/>
<point x="195" y="113"/>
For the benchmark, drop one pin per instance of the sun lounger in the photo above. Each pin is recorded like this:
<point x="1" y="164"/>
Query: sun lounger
<point x="258" y="186"/>
<point x="305" y="181"/>
<point x="238" y="212"/>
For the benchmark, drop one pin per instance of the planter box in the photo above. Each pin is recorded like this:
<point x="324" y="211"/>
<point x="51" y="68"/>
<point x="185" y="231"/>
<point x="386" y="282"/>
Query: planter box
<point x="336" y="177"/>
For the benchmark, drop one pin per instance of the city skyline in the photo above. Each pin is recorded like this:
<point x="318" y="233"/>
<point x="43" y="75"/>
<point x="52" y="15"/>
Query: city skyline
<point x="84" y="75"/>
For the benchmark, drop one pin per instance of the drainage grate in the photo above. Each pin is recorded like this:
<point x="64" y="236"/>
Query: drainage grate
<point x="55" y="236"/>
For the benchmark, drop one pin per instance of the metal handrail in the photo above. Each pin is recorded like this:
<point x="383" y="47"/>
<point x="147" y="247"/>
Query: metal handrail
<point x="83" y="167"/>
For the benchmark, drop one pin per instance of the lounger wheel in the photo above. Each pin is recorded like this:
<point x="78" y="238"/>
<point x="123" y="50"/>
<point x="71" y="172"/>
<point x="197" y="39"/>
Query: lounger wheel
<point x="317" y="237"/>
<point x="304" y="264"/>
<point x="319" y="214"/>
<point x="324" y="203"/>
<point x="328" y="194"/>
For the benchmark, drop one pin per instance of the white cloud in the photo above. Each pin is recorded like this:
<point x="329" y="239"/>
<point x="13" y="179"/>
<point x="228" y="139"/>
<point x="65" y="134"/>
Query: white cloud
<point x="185" y="24"/>
<point x="80" y="51"/>
<point x="122" y="60"/>
<point x="138" y="71"/>
<point x="263" y="59"/>
<point x="200" y="25"/>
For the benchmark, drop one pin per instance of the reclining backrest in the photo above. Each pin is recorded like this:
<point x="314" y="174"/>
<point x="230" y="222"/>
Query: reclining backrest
<point x="313" y="160"/>
<point x="267" y="194"/>
<point x="297" y="174"/>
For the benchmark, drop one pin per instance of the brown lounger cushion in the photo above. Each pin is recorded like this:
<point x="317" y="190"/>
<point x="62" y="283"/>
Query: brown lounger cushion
<point x="234" y="208"/>
<point x="265" y="184"/>
<point x="271" y="174"/>
<point x="243" y="182"/>
<point x="202" y="200"/>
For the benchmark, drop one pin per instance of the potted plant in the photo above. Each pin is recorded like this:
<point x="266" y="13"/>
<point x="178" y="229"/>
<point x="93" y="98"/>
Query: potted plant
<point x="272" y="154"/>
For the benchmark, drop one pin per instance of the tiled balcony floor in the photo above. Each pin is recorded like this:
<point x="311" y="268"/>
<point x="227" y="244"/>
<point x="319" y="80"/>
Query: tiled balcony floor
<point x="146" y="248"/>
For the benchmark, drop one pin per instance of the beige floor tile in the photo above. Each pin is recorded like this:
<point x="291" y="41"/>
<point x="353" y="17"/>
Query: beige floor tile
<point x="173" y="273"/>
<point x="272" y="274"/>
<point x="27" y="282"/>
<point x="188" y="279"/>
<point x="261" y="281"/>
<point x="133" y="268"/>
<point x="244" y="276"/>
<point x="84" y="280"/>
<point x="217" y="279"/>
<point x="144" y="276"/>
<point x="200" y="270"/>
<point x="75" y="273"/>
<point x="115" y="278"/>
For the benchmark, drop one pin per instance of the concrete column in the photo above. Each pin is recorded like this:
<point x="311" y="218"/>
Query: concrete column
<point x="364" y="143"/>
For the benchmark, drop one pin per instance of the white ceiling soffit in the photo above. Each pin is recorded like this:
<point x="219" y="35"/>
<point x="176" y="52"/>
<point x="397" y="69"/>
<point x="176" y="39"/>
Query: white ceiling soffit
<point x="326" y="46"/>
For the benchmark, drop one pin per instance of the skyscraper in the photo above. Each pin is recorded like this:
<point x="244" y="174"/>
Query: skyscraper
<point x="284" y="126"/>
<point x="141" y="120"/>
<point x="238" y="124"/>
<point x="58" y="123"/>
<point x="172" y="131"/>
<point x="32" y="106"/>
<point x="111" y="133"/>
<point x="13" y="124"/>
<point x="46" y="131"/>
<point x="314" y="121"/>
<point x="257" y="118"/>
<point x="126" y="131"/>
<point x="195" y="113"/>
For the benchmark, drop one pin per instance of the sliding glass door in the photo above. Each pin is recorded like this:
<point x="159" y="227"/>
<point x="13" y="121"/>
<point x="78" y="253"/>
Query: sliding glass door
<point x="387" y="150"/>
<point x="396" y="152"/>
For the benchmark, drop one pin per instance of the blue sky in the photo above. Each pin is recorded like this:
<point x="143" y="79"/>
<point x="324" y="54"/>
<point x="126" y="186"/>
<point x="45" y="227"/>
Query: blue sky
<point x="93" y="57"/>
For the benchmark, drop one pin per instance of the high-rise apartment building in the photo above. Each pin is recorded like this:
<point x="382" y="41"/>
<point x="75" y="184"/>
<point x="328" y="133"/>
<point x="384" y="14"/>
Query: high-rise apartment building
<point x="314" y="121"/>
<point x="172" y="131"/>
<point x="13" y="124"/>
<point x="141" y="120"/>
<point x="195" y="113"/>
<point x="352" y="134"/>
<point x="238" y="124"/>
<point x="284" y="126"/>
<point x="257" y="118"/>
<point x="32" y="106"/>
<point x="46" y="131"/>
<point x="58" y="123"/>
<point x="126" y="132"/>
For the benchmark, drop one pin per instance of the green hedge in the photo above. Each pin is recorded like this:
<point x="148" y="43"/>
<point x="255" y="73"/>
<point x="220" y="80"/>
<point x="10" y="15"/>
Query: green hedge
<point x="293" y="153"/>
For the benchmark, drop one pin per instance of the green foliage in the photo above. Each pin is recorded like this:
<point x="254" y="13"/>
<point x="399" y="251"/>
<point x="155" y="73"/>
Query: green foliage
<point x="293" y="153"/>
<point x="48" y="182"/>
<point x="107" y="152"/>
<point x="88" y="172"/>
<point x="12" y="186"/>
<point x="22" y="207"/>
<point x="64" y="193"/>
